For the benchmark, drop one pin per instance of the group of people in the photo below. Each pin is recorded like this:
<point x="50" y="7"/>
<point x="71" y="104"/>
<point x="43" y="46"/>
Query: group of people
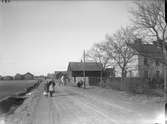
<point x="49" y="88"/>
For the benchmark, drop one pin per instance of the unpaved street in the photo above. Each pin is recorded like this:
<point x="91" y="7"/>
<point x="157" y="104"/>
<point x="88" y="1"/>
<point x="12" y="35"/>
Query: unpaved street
<point x="72" y="105"/>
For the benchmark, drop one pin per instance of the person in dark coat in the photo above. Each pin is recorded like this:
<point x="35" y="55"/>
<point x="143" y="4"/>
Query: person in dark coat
<point x="51" y="87"/>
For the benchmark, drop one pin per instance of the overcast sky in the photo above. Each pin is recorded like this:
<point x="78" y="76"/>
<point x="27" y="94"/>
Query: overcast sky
<point x="42" y="37"/>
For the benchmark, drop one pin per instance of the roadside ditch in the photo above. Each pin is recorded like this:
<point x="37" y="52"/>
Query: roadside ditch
<point x="13" y="108"/>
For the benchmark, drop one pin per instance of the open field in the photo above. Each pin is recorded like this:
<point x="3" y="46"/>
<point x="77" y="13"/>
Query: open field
<point x="8" y="88"/>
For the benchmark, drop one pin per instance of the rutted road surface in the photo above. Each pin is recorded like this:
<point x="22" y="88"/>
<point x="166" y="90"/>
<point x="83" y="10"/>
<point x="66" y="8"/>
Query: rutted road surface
<point x="72" y="105"/>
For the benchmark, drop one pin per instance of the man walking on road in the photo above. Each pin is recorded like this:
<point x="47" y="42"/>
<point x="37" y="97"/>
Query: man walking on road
<point x="51" y="88"/>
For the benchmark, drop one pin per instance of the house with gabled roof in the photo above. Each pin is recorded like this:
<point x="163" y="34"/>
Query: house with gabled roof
<point x="18" y="77"/>
<point x="28" y="76"/>
<point x="149" y="60"/>
<point x="8" y="77"/>
<point x="91" y="70"/>
<point x="1" y="77"/>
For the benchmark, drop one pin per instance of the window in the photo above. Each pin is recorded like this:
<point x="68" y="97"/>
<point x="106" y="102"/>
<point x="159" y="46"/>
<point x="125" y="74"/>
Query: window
<point x="145" y="61"/>
<point x="157" y="63"/>
<point x="157" y="74"/>
<point x="146" y="74"/>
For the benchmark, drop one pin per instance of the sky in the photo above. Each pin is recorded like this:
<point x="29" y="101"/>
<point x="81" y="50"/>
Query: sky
<point x="43" y="37"/>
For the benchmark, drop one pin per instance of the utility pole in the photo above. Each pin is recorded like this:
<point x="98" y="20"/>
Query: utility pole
<point x="84" y="75"/>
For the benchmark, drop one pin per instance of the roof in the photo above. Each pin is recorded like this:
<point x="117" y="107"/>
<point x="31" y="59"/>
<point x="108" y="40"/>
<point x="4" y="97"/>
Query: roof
<point x="149" y="50"/>
<point x="28" y="74"/>
<point x="87" y="66"/>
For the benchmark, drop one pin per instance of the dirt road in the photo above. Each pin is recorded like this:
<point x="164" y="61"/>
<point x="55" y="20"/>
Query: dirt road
<point x="72" y="105"/>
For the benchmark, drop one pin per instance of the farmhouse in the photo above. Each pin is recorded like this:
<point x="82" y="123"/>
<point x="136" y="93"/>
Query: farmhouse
<point x="1" y="77"/>
<point x="28" y="76"/>
<point x="91" y="70"/>
<point x="18" y="77"/>
<point x="149" y="61"/>
<point x="7" y="78"/>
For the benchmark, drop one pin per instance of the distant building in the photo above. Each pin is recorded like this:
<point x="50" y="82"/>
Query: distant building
<point x="63" y="72"/>
<point x="28" y="76"/>
<point x="18" y="77"/>
<point x="51" y="75"/>
<point x="1" y="77"/>
<point x="149" y="61"/>
<point x="92" y="70"/>
<point x="39" y="77"/>
<point x="7" y="78"/>
<point x="59" y="74"/>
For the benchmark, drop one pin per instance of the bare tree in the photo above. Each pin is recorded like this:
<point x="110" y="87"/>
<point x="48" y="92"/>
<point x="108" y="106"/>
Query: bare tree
<point x="149" y="19"/>
<point x="116" y="47"/>
<point x="97" y="54"/>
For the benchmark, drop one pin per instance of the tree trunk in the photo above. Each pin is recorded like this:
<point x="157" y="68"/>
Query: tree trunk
<point x="123" y="73"/>
<point x="101" y="78"/>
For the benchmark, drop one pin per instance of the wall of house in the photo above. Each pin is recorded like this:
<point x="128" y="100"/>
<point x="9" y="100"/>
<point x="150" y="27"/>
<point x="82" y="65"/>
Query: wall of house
<point x="133" y="67"/>
<point x="89" y="80"/>
<point x="28" y="77"/>
<point x="77" y="79"/>
<point x="82" y="78"/>
<point x="151" y="68"/>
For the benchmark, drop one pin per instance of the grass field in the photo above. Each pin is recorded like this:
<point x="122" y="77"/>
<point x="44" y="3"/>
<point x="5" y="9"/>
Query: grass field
<point x="8" y="88"/>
